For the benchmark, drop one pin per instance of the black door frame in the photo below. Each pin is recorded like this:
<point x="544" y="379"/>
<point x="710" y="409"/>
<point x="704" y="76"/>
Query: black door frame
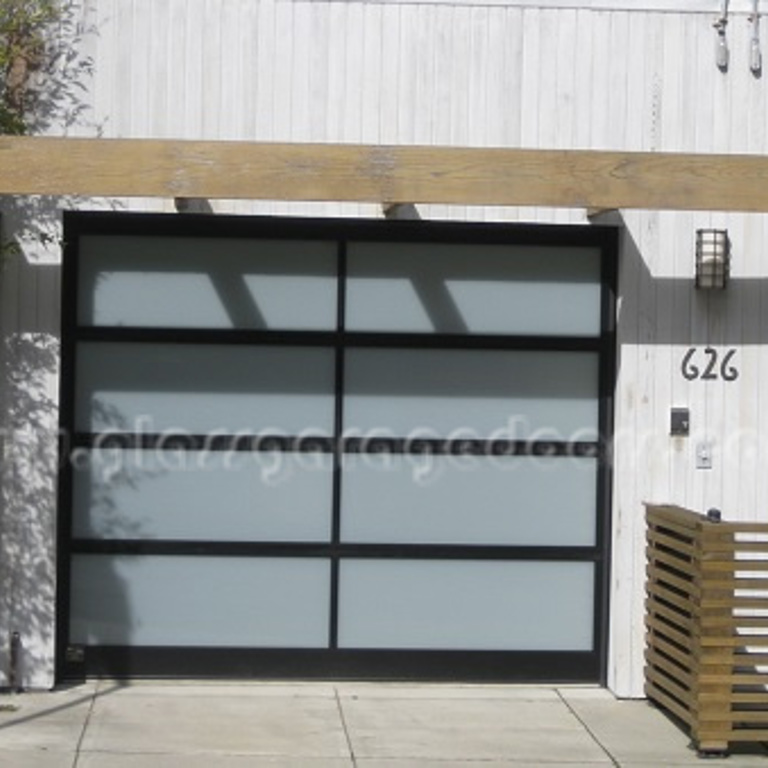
<point x="523" y="666"/>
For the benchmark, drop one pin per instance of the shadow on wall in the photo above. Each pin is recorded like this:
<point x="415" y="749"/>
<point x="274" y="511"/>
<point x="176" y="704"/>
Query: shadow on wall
<point x="680" y="346"/>
<point x="664" y="311"/>
<point x="55" y="101"/>
<point x="669" y="333"/>
<point x="27" y="583"/>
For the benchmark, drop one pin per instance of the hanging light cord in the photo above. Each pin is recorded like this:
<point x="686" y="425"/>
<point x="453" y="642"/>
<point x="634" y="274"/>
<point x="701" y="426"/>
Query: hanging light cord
<point x="755" y="55"/>
<point x="721" y="51"/>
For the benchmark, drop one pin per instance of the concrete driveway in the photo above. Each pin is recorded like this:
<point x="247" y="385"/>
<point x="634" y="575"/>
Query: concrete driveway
<point x="325" y="725"/>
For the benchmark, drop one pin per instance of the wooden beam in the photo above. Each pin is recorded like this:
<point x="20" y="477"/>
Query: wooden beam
<point x="382" y="174"/>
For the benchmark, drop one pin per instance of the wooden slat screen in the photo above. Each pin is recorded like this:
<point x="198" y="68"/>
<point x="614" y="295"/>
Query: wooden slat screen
<point x="707" y="625"/>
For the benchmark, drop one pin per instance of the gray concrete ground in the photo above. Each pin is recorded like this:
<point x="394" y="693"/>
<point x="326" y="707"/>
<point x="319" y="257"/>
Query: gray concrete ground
<point x="325" y="725"/>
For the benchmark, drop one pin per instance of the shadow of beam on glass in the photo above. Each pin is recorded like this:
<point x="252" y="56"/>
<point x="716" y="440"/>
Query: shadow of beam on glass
<point x="442" y="310"/>
<point x="238" y="301"/>
<point x="216" y="282"/>
<point x="231" y="287"/>
<point x="461" y="288"/>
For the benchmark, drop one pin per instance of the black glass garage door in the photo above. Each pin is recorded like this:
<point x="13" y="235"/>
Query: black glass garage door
<point x="334" y="448"/>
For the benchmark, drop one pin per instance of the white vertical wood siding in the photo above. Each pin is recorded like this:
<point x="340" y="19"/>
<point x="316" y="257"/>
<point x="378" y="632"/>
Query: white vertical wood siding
<point x="460" y="74"/>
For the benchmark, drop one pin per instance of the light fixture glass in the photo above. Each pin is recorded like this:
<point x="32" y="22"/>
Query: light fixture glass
<point x="713" y="258"/>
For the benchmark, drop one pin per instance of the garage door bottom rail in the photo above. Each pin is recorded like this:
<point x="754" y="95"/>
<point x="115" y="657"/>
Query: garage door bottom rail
<point x="419" y="665"/>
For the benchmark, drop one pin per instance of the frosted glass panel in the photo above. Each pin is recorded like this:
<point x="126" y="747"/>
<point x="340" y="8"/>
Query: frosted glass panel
<point x="500" y="395"/>
<point x="525" y="500"/>
<point x="214" y="282"/>
<point x="511" y="289"/>
<point x="429" y="604"/>
<point x="214" y="495"/>
<point x="154" y="387"/>
<point x="199" y="601"/>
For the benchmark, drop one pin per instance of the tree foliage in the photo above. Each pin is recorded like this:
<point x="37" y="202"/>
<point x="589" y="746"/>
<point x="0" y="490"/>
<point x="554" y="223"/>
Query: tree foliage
<point x="23" y="26"/>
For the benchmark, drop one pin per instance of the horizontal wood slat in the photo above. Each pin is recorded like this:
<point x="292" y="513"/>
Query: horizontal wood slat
<point x="707" y="625"/>
<point x="661" y="593"/>
<point x="384" y="174"/>
<point x="732" y="603"/>
<point x="676" y="671"/>
<point x="718" y="548"/>
<point x="678" y="517"/>
<point x="668" y="581"/>
<point x="717" y="582"/>
<point x="661" y="645"/>
<point x="674" y="616"/>
<point x="742" y="622"/>
<point x="668" y="632"/>
<point x="743" y="659"/>
<point x="672" y="560"/>
<point x="736" y="566"/>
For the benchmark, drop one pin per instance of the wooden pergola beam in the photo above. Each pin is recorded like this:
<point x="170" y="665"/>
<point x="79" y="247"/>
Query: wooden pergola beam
<point x="382" y="174"/>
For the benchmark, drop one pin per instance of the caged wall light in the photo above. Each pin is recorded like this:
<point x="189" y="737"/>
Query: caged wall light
<point x="713" y="258"/>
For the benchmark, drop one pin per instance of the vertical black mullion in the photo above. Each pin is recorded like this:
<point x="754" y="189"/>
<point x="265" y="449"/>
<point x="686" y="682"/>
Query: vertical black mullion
<point x="69" y="304"/>
<point x="607" y="363"/>
<point x="333" y="620"/>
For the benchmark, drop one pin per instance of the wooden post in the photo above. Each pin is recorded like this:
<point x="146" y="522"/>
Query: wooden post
<point x="714" y="648"/>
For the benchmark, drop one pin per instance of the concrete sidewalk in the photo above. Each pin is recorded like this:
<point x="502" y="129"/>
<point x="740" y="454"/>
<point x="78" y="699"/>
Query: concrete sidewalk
<point x="326" y="725"/>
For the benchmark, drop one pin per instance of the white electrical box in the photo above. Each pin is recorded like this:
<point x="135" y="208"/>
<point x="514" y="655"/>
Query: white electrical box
<point x="704" y="456"/>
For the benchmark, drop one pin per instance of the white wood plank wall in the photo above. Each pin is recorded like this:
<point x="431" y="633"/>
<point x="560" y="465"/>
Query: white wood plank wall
<point x="454" y="73"/>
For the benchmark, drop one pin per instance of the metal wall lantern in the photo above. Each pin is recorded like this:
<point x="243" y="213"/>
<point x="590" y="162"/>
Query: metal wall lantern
<point x="713" y="258"/>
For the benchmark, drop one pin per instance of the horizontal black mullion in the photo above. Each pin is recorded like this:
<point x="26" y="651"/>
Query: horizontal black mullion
<point x="355" y="339"/>
<point x="179" y="441"/>
<point x="191" y="547"/>
<point x="206" y="336"/>
<point x="469" y="447"/>
<point x="472" y="341"/>
<point x="467" y="552"/>
<point x="328" y="550"/>
<point x="175" y="441"/>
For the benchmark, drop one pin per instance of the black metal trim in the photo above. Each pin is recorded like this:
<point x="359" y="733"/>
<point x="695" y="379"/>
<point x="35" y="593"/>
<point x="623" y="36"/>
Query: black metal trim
<point x="205" y="336"/>
<point x="338" y="426"/>
<point x="607" y="384"/>
<point x="253" y="443"/>
<point x="348" y="339"/>
<point x="68" y="363"/>
<point x="364" y="230"/>
<point x="469" y="447"/>
<point x="175" y="440"/>
<point x="339" y="664"/>
<point x="335" y="549"/>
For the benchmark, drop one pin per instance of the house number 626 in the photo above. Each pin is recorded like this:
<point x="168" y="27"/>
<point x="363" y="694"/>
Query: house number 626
<point x="710" y="370"/>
